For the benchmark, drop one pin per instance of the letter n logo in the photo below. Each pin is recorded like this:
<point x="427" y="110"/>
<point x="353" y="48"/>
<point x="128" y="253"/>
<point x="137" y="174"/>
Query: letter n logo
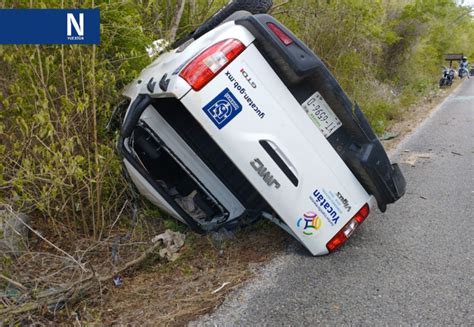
<point x="72" y="22"/>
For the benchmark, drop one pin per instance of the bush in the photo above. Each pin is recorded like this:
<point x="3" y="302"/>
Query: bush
<point x="55" y="155"/>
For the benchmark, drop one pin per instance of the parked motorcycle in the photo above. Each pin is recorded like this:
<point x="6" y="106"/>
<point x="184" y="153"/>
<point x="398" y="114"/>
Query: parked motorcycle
<point x="447" y="78"/>
<point x="463" y="71"/>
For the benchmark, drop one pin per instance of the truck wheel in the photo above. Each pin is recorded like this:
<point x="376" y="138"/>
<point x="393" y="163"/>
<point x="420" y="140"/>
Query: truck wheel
<point x="237" y="15"/>
<point x="254" y="7"/>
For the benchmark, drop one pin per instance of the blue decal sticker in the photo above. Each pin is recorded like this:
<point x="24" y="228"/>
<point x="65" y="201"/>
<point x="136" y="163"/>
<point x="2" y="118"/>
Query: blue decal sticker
<point x="328" y="207"/>
<point x="223" y="108"/>
<point x="49" y="26"/>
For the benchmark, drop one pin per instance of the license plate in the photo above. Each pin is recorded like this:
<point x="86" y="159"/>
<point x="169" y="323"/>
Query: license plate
<point x="321" y="114"/>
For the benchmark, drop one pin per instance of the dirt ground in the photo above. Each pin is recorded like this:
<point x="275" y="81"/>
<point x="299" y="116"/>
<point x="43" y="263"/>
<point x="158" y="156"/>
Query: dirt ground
<point x="175" y="293"/>
<point x="154" y="292"/>
<point x="162" y="293"/>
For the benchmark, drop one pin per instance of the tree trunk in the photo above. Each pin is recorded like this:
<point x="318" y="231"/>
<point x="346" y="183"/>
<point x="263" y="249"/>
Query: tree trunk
<point x="178" y="13"/>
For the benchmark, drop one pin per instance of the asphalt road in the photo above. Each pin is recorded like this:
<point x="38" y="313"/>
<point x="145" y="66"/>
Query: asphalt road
<point x="411" y="265"/>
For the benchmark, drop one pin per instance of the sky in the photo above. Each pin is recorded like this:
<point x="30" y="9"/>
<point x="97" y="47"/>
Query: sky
<point x="467" y="2"/>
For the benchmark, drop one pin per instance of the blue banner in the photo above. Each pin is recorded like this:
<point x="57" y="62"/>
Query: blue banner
<point x="49" y="26"/>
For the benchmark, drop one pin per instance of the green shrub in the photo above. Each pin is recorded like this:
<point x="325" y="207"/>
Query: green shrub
<point x="56" y="157"/>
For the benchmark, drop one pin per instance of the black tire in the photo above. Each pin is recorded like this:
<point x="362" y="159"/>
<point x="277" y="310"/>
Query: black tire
<point x="236" y="15"/>
<point x="441" y="82"/>
<point x="252" y="6"/>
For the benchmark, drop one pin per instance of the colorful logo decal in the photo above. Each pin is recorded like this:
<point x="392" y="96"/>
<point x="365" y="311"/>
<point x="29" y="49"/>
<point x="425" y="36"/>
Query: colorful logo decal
<point x="223" y="108"/>
<point x="310" y="223"/>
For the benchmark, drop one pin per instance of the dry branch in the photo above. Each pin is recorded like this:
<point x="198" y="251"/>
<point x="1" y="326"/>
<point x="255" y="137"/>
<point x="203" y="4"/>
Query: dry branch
<point x="274" y="7"/>
<point x="178" y="13"/>
<point x="15" y="283"/>
<point x="74" y="290"/>
<point x="10" y="210"/>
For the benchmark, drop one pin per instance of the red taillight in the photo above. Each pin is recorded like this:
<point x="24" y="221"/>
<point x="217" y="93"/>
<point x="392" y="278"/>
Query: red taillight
<point x="348" y="229"/>
<point x="202" y="69"/>
<point x="280" y="34"/>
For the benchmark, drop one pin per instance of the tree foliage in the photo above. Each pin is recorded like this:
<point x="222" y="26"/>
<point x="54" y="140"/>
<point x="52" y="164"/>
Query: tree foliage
<point x="385" y="53"/>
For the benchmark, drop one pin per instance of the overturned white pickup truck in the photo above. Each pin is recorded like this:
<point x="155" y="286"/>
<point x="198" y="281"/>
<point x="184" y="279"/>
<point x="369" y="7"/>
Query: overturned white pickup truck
<point x="241" y="121"/>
